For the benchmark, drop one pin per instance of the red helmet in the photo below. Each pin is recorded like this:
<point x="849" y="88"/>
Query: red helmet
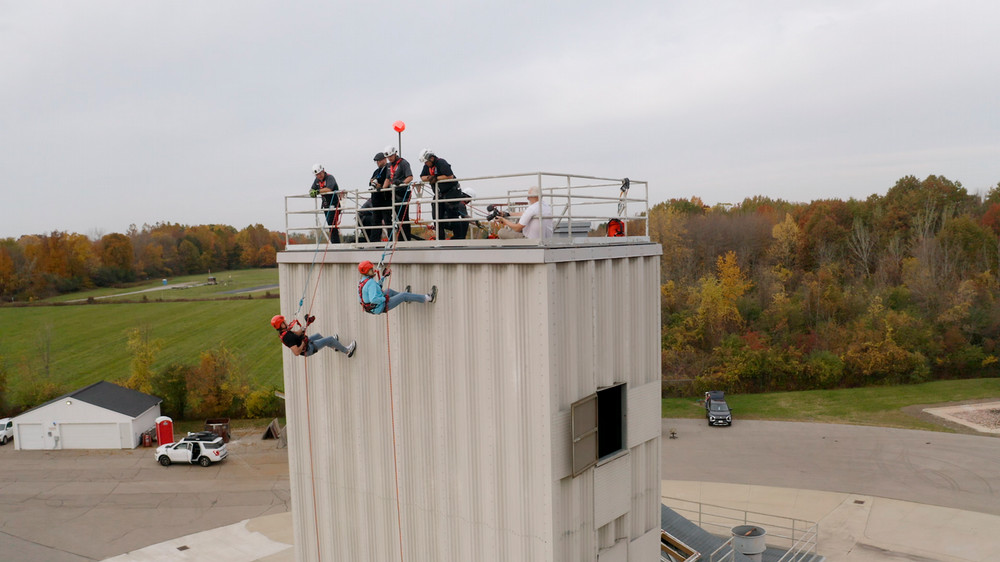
<point x="365" y="267"/>
<point x="277" y="320"/>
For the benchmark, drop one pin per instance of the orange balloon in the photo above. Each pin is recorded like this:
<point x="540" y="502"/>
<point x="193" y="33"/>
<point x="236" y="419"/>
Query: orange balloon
<point x="399" y="126"/>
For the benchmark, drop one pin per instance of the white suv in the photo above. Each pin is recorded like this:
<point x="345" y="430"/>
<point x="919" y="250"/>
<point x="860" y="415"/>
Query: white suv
<point x="202" y="448"/>
<point x="6" y="430"/>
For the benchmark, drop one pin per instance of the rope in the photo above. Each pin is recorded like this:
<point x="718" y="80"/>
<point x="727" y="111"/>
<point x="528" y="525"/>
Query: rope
<point x="390" y="246"/>
<point x="312" y="466"/>
<point x="395" y="462"/>
<point x="305" y="289"/>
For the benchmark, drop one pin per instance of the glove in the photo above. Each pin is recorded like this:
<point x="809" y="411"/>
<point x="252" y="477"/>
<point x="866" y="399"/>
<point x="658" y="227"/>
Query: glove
<point x="310" y="319"/>
<point x="313" y="192"/>
<point x="386" y="272"/>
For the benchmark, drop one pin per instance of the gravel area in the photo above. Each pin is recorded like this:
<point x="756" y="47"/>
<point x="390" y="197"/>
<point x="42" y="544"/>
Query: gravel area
<point x="986" y="418"/>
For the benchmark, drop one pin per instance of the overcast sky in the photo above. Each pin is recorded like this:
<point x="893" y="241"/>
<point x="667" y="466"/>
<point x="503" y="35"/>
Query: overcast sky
<point x="113" y="113"/>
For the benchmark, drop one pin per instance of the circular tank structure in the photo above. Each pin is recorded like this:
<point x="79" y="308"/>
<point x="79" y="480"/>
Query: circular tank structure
<point x="749" y="540"/>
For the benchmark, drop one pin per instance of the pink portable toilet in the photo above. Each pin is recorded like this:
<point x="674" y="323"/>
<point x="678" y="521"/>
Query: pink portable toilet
<point x="164" y="430"/>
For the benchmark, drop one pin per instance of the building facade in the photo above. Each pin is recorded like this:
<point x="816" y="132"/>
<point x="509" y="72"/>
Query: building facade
<point x="516" y="418"/>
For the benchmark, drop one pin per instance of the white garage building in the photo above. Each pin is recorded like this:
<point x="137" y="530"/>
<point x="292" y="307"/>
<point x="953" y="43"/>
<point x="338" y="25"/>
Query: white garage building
<point x="100" y="416"/>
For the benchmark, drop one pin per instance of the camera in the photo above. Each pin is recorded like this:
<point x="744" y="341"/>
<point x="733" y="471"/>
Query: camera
<point x="494" y="212"/>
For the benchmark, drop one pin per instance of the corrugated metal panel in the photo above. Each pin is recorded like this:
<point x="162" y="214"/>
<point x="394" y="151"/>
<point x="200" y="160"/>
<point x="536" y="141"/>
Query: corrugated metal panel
<point x="478" y="383"/>
<point x="617" y="553"/>
<point x="612" y="490"/>
<point x="646" y="547"/>
<point x="644" y="413"/>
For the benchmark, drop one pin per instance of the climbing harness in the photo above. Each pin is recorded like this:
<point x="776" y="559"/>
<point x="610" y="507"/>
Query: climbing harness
<point x="367" y="306"/>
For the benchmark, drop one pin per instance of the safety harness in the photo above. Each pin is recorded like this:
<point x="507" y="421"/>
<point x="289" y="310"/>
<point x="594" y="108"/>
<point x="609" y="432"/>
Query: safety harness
<point x="368" y="306"/>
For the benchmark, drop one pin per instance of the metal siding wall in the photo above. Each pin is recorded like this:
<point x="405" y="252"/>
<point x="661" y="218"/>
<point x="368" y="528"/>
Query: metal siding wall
<point x="471" y="420"/>
<point x="474" y="423"/>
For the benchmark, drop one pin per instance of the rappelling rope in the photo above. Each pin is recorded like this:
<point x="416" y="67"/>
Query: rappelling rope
<point x="395" y="462"/>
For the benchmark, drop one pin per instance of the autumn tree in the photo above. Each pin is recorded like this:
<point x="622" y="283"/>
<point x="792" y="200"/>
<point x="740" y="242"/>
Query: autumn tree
<point x="144" y="350"/>
<point x="219" y="385"/>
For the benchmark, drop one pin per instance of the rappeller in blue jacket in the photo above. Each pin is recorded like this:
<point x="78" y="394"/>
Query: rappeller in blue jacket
<point x="376" y="301"/>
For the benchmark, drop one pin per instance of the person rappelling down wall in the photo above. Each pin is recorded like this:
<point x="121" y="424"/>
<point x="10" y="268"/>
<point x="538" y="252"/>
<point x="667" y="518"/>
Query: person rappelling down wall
<point x="304" y="345"/>
<point x="376" y="301"/>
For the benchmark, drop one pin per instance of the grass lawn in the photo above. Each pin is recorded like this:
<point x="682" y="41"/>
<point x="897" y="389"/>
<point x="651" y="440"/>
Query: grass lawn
<point x="864" y="406"/>
<point x="87" y="343"/>
<point x="230" y="284"/>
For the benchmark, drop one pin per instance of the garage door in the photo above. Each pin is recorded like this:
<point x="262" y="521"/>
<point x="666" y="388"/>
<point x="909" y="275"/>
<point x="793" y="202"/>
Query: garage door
<point x="90" y="436"/>
<point x="29" y="436"/>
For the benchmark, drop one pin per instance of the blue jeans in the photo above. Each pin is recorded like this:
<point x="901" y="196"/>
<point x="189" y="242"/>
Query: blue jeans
<point x="318" y="342"/>
<point x="395" y="298"/>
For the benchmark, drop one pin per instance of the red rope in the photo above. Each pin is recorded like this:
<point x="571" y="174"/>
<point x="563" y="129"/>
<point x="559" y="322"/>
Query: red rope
<point x="395" y="463"/>
<point x="312" y="466"/>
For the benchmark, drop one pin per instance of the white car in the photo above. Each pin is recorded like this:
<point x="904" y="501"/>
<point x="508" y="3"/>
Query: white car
<point x="6" y="430"/>
<point x="190" y="451"/>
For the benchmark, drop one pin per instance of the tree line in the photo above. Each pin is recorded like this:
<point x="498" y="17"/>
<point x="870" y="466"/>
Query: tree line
<point x="771" y="295"/>
<point x="39" y="266"/>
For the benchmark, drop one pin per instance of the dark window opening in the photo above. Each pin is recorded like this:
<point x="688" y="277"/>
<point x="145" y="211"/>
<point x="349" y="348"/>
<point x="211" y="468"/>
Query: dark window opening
<point x="610" y="420"/>
<point x="598" y="426"/>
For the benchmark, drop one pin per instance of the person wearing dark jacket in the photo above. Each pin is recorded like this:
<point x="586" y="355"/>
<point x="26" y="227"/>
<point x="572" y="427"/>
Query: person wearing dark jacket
<point x="303" y="345"/>
<point x="325" y="185"/>
<point x="399" y="177"/>
<point x="381" y="200"/>
<point x="438" y="173"/>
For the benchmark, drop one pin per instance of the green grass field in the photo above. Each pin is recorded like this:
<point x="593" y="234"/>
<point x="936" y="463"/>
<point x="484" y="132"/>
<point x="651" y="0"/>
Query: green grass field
<point x="865" y="406"/>
<point x="87" y="342"/>
<point x="177" y="288"/>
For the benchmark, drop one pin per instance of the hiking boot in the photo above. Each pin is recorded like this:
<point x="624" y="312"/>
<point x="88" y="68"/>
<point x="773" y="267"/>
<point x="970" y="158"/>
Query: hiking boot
<point x="351" y="348"/>
<point x="434" y="294"/>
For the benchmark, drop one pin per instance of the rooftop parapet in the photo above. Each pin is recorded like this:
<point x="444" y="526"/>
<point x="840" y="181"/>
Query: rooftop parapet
<point x="582" y="207"/>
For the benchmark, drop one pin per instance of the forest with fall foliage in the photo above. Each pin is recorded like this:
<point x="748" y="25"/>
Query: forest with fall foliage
<point x="38" y="266"/>
<point x="771" y="295"/>
<point x="763" y="295"/>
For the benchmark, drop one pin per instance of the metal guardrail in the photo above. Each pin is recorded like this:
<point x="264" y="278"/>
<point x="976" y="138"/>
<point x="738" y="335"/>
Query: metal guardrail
<point x="798" y="537"/>
<point x="580" y="204"/>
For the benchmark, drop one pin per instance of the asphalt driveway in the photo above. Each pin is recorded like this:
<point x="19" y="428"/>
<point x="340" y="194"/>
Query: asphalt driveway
<point x="961" y="471"/>
<point x="91" y="505"/>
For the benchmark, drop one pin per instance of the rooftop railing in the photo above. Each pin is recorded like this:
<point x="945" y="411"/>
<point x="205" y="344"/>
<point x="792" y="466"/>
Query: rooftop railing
<point x="581" y="207"/>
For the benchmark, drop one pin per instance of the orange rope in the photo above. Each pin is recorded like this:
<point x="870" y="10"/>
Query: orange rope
<point x="392" y="410"/>
<point x="305" y="360"/>
<point x="312" y="466"/>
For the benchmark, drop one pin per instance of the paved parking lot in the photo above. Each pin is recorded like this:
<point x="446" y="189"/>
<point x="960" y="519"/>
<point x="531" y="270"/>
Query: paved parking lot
<point x="91" y="505"/>
<point x="960" y="471"/>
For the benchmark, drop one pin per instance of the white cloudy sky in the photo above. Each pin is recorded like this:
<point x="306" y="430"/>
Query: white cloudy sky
<point x="124" y="112"/>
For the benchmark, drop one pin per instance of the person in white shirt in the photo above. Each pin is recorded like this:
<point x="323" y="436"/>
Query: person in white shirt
<point x="534" y="222"/>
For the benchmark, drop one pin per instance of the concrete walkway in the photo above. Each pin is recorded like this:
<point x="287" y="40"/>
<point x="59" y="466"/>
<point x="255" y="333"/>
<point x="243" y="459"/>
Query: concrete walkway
<point x="853" y="528"/>
<point x="859" y="528"/>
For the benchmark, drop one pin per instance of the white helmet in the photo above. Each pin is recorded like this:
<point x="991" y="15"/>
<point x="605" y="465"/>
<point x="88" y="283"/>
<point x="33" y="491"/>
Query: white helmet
<point x="317" y="168"/>
<point x="470" y="192"/>
<point x="390" y="151"/>
<point x="425" y="154"/>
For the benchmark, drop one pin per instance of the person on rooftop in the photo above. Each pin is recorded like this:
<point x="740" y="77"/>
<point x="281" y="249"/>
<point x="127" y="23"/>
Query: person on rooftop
<point x="301" y="344"/>
<point x="534" y="222"/>
<point x="325" y="185"/>
<point x="376" y="301"/>
<point x="399" y="177"/>
<point x="438" y="173"/>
